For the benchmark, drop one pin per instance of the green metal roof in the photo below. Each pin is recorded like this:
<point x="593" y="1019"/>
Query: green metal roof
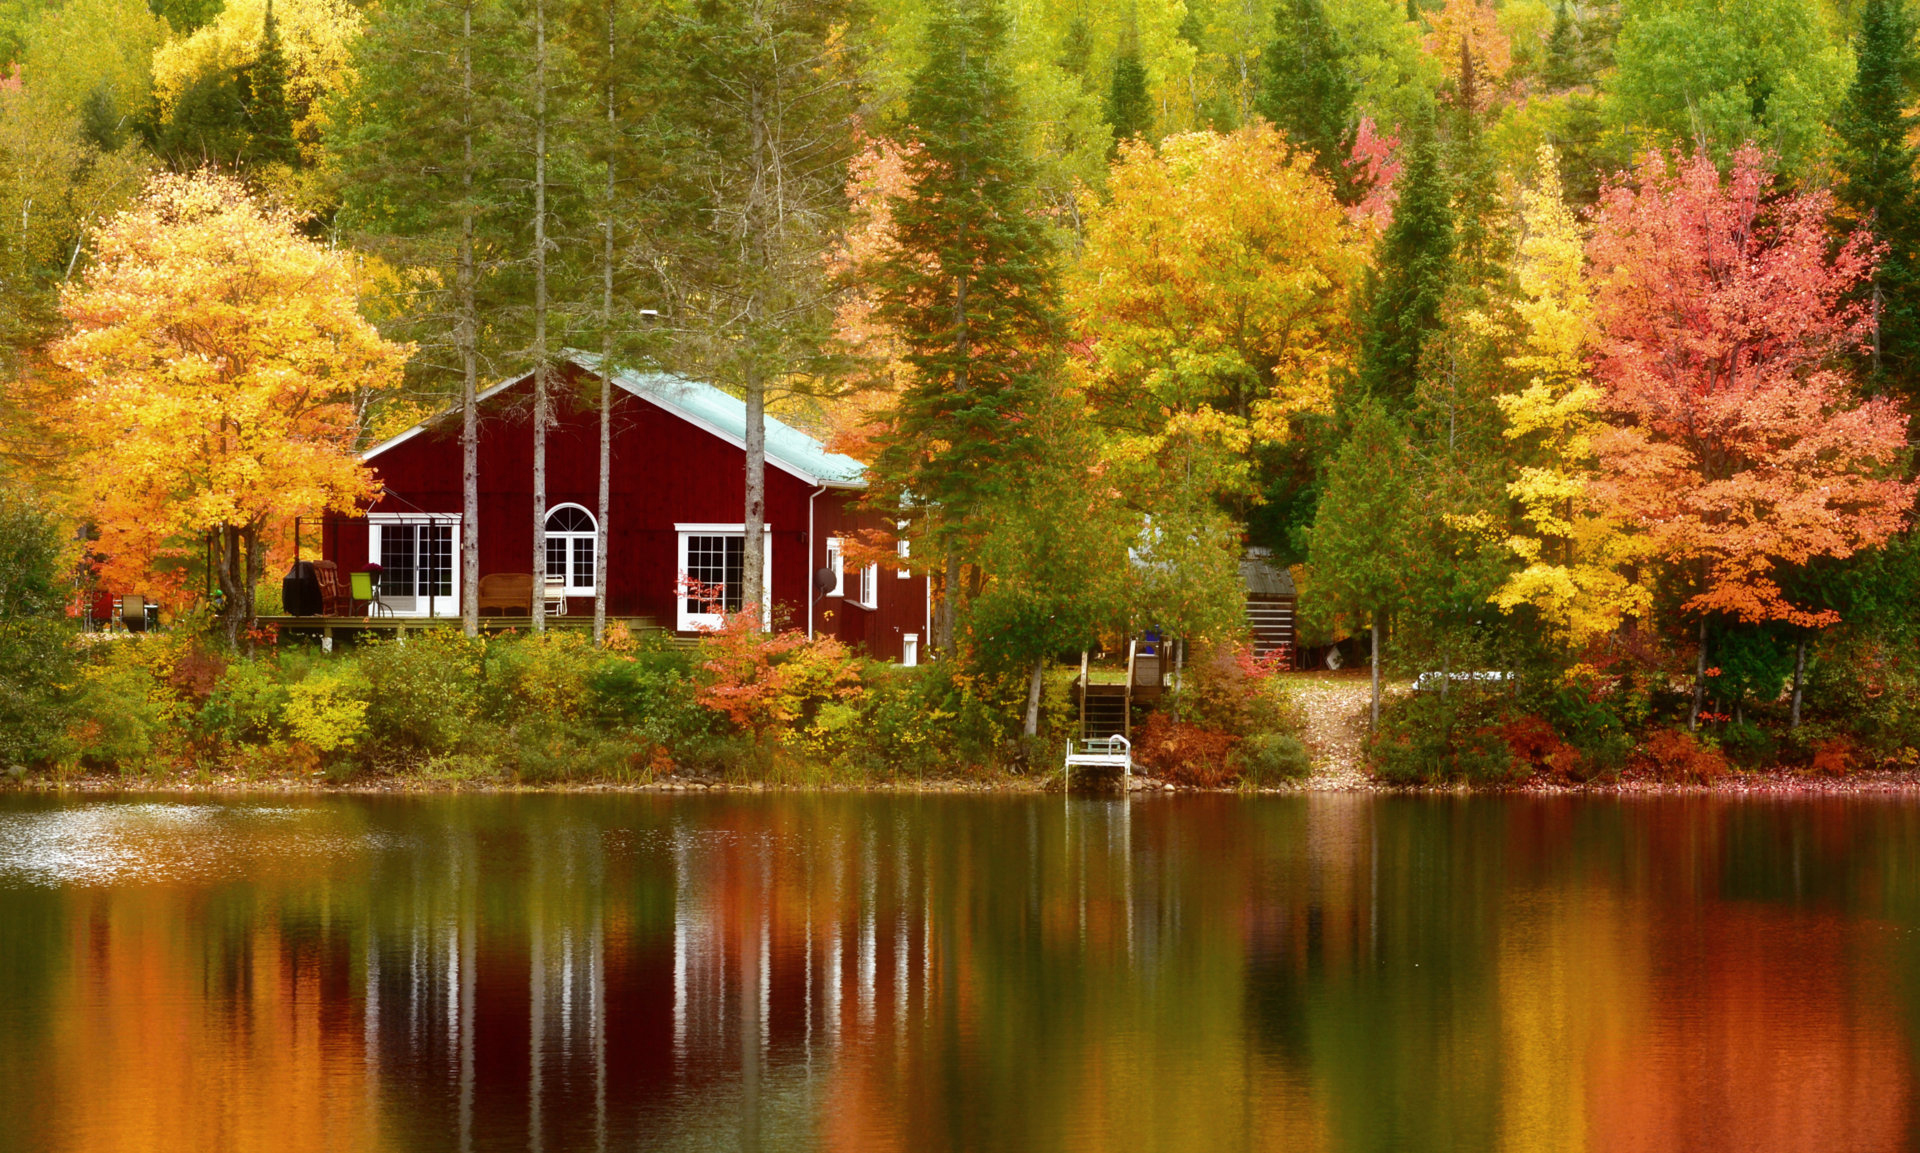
<point x="726" y="416"/>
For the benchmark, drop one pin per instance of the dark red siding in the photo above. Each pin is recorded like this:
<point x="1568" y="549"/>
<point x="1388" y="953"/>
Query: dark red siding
<point x="666" y="471"/>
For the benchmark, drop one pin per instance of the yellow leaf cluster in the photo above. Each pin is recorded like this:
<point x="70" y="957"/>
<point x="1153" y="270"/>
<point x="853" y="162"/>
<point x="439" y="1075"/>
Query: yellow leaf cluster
<point x="223" y="364"/>
<point x="1215" y="278"/>
<point x="1574" y="552"/>
<point x="316" y="35"/>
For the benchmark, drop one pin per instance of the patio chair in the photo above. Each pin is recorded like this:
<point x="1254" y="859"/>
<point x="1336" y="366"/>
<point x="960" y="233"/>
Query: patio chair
<point x="133" y="612"/>
<point x="363" y="590"/>
<point x="334" y="601"/>
<point x="555" y="601"/>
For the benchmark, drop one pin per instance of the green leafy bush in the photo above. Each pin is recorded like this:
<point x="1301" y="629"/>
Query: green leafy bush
<point x="1272" y="758"/>
<point x="1425" y="737"/>
<point x="422" y="696"/>
<point x="327" y="710"/>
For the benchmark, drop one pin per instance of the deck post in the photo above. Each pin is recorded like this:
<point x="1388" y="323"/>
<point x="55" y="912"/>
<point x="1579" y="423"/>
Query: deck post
<point x="326" y="639"/>
<point x="1126" y="715"/>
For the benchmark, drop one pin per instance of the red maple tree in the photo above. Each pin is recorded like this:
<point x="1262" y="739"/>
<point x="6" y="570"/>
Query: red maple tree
<point x="1738" y="440"/>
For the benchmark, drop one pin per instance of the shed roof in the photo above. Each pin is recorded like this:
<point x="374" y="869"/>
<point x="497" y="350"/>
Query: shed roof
<point x="706" y="407"/>
<point x="1263" y="578"/>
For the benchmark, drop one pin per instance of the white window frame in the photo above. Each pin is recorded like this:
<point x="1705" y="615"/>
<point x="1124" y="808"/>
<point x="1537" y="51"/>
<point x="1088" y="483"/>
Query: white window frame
<point x="910" y="650"/>
<point x="574" y="589"/>
<point x="436" y="606"/>
<point x="837" y="561"/>
<point x="685" y="619"/>
<point x="867" y="596"/>
<point x="906" y="550"/>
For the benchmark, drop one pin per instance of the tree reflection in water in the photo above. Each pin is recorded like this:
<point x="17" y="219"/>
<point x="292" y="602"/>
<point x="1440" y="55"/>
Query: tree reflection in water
<point x="592" y="972"/>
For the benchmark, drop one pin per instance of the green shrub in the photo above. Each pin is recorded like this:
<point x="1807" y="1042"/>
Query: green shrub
<point x="541" y="675"/>
<point x="121" y="709"/>
<point x="1270" y="758"/>
<point x="1748" y="745"/>
<point x="650" y="694"/>
<point x="1425" y="737"/>
<point x="38" y="677"/>
<point x="247" y="705"/>
<point x="422" y="696"/>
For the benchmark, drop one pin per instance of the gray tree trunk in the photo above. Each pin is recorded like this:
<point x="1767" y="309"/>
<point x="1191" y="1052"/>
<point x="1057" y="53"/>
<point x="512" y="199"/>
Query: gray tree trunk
<point x="1035" y="684"/>
<point x="1699" y="680"/>
<point x="1373" y="720"/>
<point x="606" y="368"/>
<point x="467" y="333"/>
<point x="943" y="605"/>
<point x="540" y="415"/>
<point x="753" y="556"/>
<point x="1799" y="678"/>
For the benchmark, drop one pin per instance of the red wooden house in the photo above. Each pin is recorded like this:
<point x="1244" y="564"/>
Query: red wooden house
<point x="678" y="483"/>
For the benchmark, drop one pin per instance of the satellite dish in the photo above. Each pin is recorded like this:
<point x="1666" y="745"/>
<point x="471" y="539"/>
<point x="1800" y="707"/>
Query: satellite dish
<point x="823" y="582"/>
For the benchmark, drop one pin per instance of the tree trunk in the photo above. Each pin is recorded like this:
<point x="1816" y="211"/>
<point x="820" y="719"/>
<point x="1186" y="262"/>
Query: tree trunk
<point x="606" y="367"/>
<point x="1373" y="721"/>
<point x="1035" y="684"/>
<point x="943" y="607"/>
<point x="1699" y="680"/>
<point x="467" y="334"/>
<point x="753" y="598"/>
<point x="1799" y="678"/>
<point x="539" y="314"/>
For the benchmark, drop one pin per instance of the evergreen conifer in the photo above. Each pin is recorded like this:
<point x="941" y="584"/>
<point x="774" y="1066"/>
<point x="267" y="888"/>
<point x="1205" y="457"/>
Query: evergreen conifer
<point x="1877" y="187"/>
<point x="1306" y="92"/>
<point x="1411" y="280"/>
<point x="273" y="141"/>
<point x="971" y="292"/>
<point x="1129" y="109"/>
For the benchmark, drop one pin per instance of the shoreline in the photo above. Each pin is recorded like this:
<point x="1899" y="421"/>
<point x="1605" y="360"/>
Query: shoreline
<point x="1782" y="783"/>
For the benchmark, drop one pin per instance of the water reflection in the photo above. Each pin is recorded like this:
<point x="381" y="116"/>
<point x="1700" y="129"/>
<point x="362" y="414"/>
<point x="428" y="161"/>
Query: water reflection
<point x="1339" y="973"/>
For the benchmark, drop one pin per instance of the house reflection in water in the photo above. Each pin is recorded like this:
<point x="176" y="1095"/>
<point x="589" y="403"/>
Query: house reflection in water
<point x="1317" y="973"/>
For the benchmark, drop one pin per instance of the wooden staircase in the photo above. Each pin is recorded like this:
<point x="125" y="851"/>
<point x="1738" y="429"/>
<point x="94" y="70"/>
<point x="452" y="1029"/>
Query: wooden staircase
<point x="1103" y="711"/>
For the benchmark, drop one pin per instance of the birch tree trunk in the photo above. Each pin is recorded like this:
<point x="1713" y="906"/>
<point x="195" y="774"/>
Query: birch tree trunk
<point x="1035" y="683"/>
<point x="753" y="556"/>
<point x="467" y="333"/>
<point x="540" y="404"/>
<point x="1373" y="719"/>
<point x="606" y="365"/>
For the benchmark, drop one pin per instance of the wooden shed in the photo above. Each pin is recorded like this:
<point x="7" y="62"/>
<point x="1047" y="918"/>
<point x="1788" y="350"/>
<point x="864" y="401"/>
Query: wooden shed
<point x="1271" y="598"/>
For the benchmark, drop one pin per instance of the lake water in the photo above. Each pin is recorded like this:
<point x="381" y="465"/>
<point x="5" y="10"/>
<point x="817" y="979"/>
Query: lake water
<point x="949" y="973"/>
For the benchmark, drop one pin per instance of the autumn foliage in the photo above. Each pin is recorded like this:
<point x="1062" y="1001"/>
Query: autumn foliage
<point x="1736" y="440"/>
<point x="221" y="355"/>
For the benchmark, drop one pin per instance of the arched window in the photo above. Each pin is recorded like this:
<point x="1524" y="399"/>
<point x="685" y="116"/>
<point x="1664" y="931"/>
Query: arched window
<point x="570" y="547"/>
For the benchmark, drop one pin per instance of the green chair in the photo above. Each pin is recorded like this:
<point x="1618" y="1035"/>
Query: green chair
<point x="362" y="584"/>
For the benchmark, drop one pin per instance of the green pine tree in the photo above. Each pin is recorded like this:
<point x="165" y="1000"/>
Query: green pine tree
<point x="1562" y="69"/>
<point x="1410" y="283"/>
<point x="972" y="293"/>
<point x="1360" y="548"/>
<point x="1306" y="91"/>
<point x="1129" y="108"/>
<point x="272" y="120"/>
<point x="1877" y="187"/>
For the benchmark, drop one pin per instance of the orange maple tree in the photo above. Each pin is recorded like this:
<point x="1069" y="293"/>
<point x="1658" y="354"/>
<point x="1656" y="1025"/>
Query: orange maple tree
<point x="222" y="356"/>
<point x="1738" y="441"/>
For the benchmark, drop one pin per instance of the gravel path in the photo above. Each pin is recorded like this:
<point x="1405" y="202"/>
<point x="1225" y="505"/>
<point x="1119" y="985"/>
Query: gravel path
<point x="1334" y="706"/>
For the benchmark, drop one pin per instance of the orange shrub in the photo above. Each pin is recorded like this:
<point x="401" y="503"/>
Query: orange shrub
<point x="1671" y="755"/>
<point x="1835" y="756"/>
<point x="1186" y="754"/>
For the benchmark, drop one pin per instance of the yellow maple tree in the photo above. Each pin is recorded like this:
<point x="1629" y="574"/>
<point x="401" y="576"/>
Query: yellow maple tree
<point x="1575" y="552"/>
<point x="1215" y="279"/>
<point x="223" y="364"/>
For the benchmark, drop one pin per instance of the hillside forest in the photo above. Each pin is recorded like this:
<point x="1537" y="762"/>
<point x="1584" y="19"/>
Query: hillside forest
<point x="1565" y="352"/>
